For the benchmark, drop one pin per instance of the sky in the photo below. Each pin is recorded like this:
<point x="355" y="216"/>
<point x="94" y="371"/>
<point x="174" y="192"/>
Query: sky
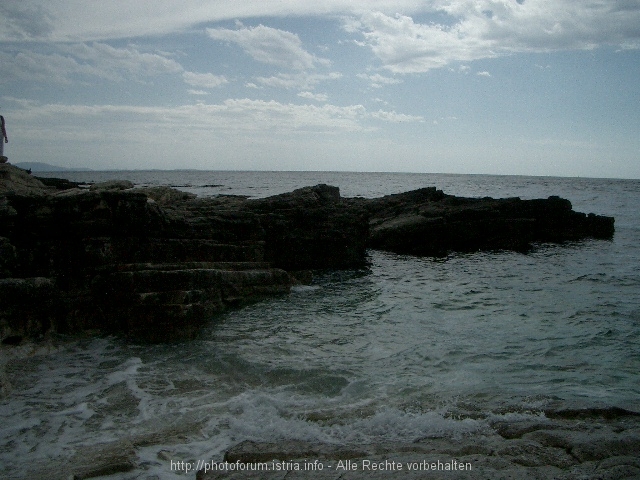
<point x="509" y="87"/>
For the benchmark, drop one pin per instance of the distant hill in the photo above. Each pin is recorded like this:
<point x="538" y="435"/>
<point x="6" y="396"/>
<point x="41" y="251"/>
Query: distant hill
<point x="45" y="167"/>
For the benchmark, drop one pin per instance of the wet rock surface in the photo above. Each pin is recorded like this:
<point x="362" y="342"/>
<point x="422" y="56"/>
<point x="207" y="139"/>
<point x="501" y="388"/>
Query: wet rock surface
<point x="157" y="263"/>
<point x="604" y="448"/>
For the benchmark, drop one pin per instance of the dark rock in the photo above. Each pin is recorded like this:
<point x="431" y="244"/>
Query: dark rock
<point x="609" y="413"/>
<point x="157" y="263"/>
<point x="172" y="302"/>
<point x="58" y="183"/>
<point x="112" y="185"/>
<point x="88" y="462"/>
<point x="515" y="429"/>
<point x="8" y="258"/>
<point x="427" y="222"/>
<point x="573" y="450"/>
<point x="166" y="195"/>
<point x="29" y="307"/>
<point x="12" y="340"/>
<point x="312" y="228"/>
<point x="254" y="452"/>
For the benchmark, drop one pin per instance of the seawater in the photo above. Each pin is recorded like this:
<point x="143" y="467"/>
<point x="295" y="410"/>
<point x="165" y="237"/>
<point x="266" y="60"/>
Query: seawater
<point x="405" y="349"/>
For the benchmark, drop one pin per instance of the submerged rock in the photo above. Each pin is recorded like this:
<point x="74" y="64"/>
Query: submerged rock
<point x="156" y="263"/>
<point x="567" y="449"/>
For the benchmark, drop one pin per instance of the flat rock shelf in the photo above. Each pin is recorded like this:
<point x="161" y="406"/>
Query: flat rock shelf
<point x="155" y="264"/>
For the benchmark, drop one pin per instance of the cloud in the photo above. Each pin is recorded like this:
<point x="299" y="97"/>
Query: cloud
<point x="268" y="45"/>
<point x="77" y="62"/>
<point x="489" y="28"/>
<point x="404" y="46"/>
<point x="71" y="20"/>
<point x="297" y="81"/>
<point x="20" y="20"/>
<point x="483" y="74"/>
<point x="319" y="97"/>
<point x="233" y="117"/>
<point x="52" y="68"/>
<point x="81" y="62"/>
<point x="128" y="60"/>
<point x="538" y="24"/>
<point x="204" y="80"/>
<point x="395" y="117"/>
<point x="378" y="81"/>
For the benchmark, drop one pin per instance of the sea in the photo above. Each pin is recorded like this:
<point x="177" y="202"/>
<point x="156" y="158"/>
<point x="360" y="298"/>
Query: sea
<point x="403" y="349"/>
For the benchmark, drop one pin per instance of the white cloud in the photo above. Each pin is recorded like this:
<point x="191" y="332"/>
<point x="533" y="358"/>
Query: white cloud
<point x="204" y="80"/>
<point x="488" y="28"/>
<point x="128" y="59"/>
<point x="530" y="24"/>
<point x="79" y="61"/>
<point x="233" y="118"/>
<point x="268" y="45"/>
<point x="395" y="117"/>
<point x="483" y="74"/>
<point x="20" y="20"/>
<point x="297" y="81"/>
<point x="52" y="68"/>
<point x="319" y="97"/>
<point x="378" y="81"/>
<point x="73" y="20"/>
<point x="404" y="46"/>
<point x="197" y="92"/>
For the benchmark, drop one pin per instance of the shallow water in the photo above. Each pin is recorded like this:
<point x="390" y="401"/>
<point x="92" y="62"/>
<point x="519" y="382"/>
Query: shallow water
<point x="405" y="349"/>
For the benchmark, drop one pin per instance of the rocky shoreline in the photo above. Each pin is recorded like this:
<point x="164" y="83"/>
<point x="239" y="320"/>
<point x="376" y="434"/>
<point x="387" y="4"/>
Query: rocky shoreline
<point x="585" y="444"/>
<point x="156" y="263"/>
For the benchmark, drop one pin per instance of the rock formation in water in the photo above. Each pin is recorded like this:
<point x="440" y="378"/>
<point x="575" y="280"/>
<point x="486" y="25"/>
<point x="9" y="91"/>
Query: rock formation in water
<point x="427" y="222"/>
<point x="156" y="263"/>
<point x="593" y="445"/>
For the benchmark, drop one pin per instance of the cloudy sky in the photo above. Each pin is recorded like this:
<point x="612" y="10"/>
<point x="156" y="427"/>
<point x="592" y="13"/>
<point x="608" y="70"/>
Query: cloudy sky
<point x="532" y="87"/>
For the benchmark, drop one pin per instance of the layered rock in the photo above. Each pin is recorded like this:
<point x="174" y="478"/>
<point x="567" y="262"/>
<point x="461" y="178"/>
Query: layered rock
<point x="113" y="258"/>
<point x="312" y="228"/>
<point x="156" y="263"/>
<point x="428" y="222"/>
<point x="550" y="447"/>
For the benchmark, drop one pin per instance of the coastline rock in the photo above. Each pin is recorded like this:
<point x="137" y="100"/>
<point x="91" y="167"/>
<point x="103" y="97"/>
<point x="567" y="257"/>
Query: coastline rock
<point x="30" y="307"/>
<point x="428" y="222"/>
<point x="312" y="228"/>
<point x="58" y="183"/>
<point x="166" y="195"/>
<point x="174" y="301"/>
<point x="112" y="185"/>
<point x="600" y="449"/>
<point x="156" y="263"/>
<point x="14" y="180"/>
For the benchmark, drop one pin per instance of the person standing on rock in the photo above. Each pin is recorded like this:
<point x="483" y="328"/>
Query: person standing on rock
<point x="4" y="139"/>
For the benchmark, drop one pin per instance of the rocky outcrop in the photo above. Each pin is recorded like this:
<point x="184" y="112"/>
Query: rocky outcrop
<point x="122" y="260"/>
<point x="16" y="181"/>
<point x="428" y="222"/>
<point x="156" y="263"/>
<point x="569" y="449"/>
<point x="312" y="228"/>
